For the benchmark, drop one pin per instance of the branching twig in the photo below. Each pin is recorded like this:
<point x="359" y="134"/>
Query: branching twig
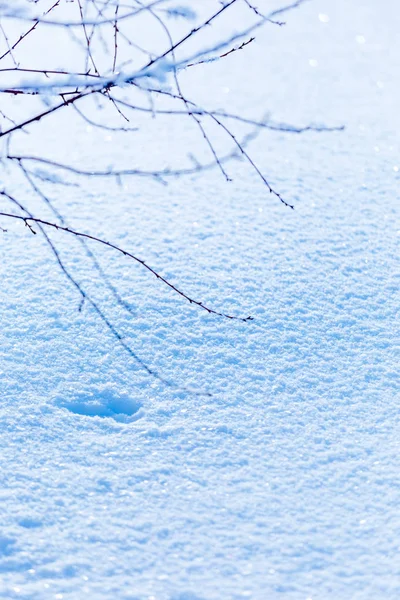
<point x="86" y="298"/>
<point x="117" y="69"/>
<point x="42" y="222"/>
<point x="224" y="55"/>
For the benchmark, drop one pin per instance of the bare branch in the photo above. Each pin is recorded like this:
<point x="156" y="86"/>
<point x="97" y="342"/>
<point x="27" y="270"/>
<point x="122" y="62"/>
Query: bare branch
<point x="31" y="219"/>
<point x="110" y="65"/>
<point x="24" y="35"/>
<point x="85" y="296"/>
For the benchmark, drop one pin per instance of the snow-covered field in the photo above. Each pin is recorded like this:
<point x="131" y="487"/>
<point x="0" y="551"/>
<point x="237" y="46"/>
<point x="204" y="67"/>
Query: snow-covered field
<point x="285" y="482"/>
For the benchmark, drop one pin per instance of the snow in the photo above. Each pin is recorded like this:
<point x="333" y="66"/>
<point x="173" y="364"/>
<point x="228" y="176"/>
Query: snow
<point x="284" y="483"/>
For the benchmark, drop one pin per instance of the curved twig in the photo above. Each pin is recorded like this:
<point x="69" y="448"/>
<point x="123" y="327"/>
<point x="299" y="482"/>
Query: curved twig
<point x="31" y="219"/>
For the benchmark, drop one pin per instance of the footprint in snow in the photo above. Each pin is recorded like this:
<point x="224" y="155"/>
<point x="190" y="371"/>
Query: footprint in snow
<point x="105" y="403"/>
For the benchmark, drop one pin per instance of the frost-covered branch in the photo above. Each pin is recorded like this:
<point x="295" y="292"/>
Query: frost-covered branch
<point x="102" y="72"/>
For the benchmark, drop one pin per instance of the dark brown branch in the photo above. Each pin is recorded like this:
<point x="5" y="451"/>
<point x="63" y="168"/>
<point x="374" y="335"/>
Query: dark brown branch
<point x="191" y="33"/>
<point x="24" y="35"/>
<point x="47" y="112"/>
<point x="257" y="12"/>
<point x="186" y="104"/>
<point x="85" y="296"/>
<point x="90" y="22"/>
<point x="43" y="222"/>
<point x="159" y="175"/>
<point x="225" y="54"/>
<point x="272" y="126"/>
<point x="116" y="30"/>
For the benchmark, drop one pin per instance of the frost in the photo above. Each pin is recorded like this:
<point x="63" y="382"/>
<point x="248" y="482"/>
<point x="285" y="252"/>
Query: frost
<point x="182" y="12"/>
<point x="50" y="176"/>
<point x="16" y="8"/>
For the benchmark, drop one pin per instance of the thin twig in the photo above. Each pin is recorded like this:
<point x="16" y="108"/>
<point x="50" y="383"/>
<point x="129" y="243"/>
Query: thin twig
<point x="43" y="222"/>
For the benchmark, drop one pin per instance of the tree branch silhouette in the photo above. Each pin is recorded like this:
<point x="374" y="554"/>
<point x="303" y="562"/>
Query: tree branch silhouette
<point x="108" y="65"/>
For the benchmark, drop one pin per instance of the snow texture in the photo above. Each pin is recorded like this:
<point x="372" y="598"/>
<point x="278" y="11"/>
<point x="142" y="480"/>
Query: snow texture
<point x="285" y="483"/>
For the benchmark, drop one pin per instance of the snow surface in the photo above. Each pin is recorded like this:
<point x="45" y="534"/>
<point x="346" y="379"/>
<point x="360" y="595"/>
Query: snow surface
<point x="285" y="483"/>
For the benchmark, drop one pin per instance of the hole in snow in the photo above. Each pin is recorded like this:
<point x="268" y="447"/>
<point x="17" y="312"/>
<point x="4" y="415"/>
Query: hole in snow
<point x="104" y="403"/>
